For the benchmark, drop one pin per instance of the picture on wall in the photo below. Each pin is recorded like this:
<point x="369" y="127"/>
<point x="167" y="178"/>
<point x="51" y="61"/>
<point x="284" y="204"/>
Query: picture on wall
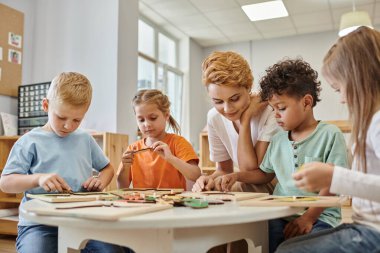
<point x="14" y="40"/>
<point x="14" y="56"/>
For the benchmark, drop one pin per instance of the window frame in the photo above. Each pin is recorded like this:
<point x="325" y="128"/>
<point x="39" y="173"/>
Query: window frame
<point x="166" y="68"/>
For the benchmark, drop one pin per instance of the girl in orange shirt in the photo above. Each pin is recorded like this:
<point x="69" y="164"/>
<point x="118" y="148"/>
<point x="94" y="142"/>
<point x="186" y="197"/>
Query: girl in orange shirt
<point x="167" y="160"/>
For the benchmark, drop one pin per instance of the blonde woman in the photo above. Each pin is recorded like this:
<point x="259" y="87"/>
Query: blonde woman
<point x="239" y="126"/>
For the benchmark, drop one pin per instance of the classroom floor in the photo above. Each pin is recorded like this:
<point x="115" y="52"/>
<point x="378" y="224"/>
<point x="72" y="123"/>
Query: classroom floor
<point x="7" y="243"/>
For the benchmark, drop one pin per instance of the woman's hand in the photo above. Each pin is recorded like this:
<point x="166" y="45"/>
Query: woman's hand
<point x="225" y="182"/>
<point x="314" y="176"/>
<point x="254" y="108"/>
<point x="203" y="183"/>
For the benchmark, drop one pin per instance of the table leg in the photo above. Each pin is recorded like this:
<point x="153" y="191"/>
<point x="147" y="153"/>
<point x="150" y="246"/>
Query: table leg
<point x="70" y="238"/>
<point x="257" y="238"/>
<point x="202" y="239"/>
<point x="184" y="240"/>
<point x="140" y="240"/>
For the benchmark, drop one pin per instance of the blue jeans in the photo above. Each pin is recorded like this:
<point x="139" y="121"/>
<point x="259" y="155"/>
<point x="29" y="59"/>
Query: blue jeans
<point x="347" y="238"/>
<point x="276" y="231"/>
<point x="41" y="238"/>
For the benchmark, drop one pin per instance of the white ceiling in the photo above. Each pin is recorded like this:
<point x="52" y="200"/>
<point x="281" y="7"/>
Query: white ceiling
<point x="214" y="22"/>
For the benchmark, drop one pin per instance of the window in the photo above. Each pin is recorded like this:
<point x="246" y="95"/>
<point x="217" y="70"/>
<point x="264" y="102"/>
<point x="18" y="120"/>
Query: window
<point x="167" y="52"/>
<point x="174" y="91"/>
<point x="146" y="74"/>
<point x="157" y="65"/>
<point x="146" y="39"/>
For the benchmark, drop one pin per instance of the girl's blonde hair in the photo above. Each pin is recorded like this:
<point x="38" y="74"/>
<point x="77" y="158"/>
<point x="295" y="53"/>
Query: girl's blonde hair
<point x="354" y="63"/>
<point x="227" y="68"/>
<point x="156" y="97"/>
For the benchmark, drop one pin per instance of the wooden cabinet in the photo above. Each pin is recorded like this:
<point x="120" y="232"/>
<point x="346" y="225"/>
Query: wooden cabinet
<point x="112" y="145"/>
<point x="208" y="166"/>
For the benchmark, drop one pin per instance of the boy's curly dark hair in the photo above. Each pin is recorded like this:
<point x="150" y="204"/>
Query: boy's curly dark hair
<point x="295" y="78"/>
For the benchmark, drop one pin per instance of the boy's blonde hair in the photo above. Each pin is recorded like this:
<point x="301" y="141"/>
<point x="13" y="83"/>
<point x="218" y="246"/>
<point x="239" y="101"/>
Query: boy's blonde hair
<point x="71" y="88"/>
<point x="354" y="62"/>
<point x="227" y="68"/>
<point x="159" y="99"/>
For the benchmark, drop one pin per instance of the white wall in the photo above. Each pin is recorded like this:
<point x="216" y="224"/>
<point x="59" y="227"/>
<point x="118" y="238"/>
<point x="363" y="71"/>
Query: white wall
<point x="67" y="38"/>
<point x="95" y="37"/>
<point x="197" y="94"/>
<point x="311" y="47"/>
<point x="127" y="53"/>
<point x="184" y="65"/>
<point x="194" y="99"/>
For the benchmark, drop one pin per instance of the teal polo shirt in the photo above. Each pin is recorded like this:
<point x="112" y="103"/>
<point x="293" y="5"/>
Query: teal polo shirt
<point x="284" y="157"/>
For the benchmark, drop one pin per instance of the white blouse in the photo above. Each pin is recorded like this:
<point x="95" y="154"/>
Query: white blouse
<point x="365" y="188"/>
<point x="223" y="138"/>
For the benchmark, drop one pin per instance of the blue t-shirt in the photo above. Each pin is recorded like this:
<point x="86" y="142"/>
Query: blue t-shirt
<point x="72" y="157"/>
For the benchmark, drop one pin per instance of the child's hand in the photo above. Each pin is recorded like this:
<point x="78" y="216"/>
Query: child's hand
<point x="162" y="149"/>
<point x="254" y="108"/>
<point x="94" y="184"/>
<point x="225" y="182"/>
<point x="203" y="183"/>
<point x="299" y="226"/>
<point x="127" y="158"/>
<point x="314" y="176"/>
<point x="52" y="182"/>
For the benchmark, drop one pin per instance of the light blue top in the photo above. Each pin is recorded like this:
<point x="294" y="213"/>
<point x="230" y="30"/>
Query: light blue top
<point x="284" y="157"/>
<point x="72" y="157"/>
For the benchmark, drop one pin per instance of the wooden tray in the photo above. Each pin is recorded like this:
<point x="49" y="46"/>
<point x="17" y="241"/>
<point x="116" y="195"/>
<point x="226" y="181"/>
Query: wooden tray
<point x="228" y="196"/>
<point x="97" y="210"/>
<point x="300" y="201"/>
<point x="72" y="197"/>
<point x="148" y="191"/>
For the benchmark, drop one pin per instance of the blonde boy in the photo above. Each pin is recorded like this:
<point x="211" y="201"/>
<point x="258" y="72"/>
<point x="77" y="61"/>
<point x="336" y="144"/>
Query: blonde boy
<point x="56" y="157"/>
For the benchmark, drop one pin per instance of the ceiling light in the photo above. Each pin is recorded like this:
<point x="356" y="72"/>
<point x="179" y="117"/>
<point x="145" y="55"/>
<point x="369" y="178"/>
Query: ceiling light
<point x="266" y="10"/>
<point x="350" y="21"/>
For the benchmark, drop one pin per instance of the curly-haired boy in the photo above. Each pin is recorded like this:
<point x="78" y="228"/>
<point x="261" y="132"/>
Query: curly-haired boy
<point x="292" y="89"/>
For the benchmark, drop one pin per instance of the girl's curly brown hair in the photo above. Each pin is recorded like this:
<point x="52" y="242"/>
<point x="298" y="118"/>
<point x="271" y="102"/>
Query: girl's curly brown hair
<point x="295" y="78"/>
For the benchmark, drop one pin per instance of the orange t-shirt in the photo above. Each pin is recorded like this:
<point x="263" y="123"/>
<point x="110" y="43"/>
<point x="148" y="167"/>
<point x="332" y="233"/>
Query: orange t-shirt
<point x="149" y="170"/>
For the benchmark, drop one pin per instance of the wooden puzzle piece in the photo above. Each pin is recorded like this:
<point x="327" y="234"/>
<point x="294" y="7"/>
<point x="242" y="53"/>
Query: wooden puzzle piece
<point x="296" y="201"/>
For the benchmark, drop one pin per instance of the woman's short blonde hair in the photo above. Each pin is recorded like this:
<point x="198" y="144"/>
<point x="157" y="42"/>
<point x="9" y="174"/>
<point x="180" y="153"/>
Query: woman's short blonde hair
<point x="72" y="88"/>
<point x="227" y="68"/>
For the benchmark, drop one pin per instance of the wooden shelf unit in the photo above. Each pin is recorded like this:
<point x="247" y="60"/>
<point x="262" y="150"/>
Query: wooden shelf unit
<point x="205" y="164"/>
<point x="112" y="145"/>
<point x="344" y="125"/>
<point x="208" y="166"/>
<point x="7" y="200"/>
